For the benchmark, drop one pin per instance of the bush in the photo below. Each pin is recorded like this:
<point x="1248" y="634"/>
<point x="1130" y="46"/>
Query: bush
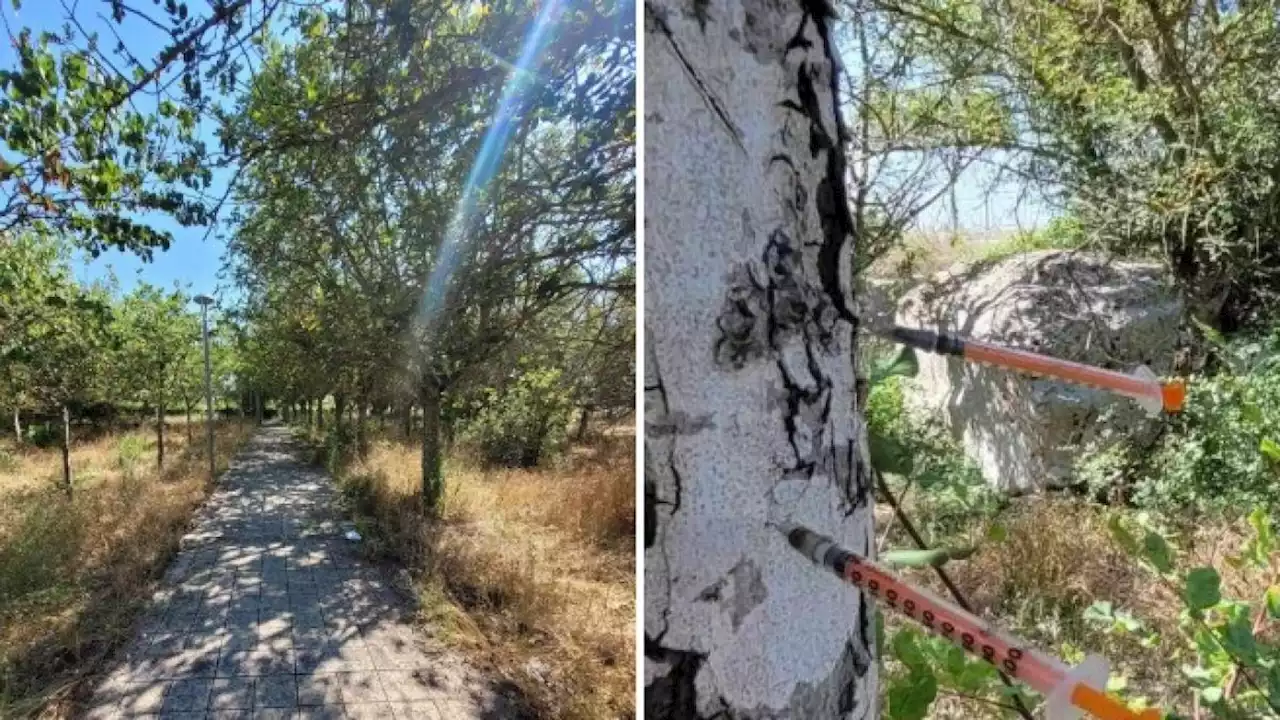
<point x="130" y="451"/>
<point x="44" y="435"/>
<point x="1223" y="450"/>
<point x="949" y="488"/>
<point x="523" y="423"/>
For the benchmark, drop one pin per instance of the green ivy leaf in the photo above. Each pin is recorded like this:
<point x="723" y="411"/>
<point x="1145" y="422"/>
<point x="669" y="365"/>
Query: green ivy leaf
<point x="1270" y="448"/>
<point x="1157" y="552"/>
<point x="1203" y="588"/>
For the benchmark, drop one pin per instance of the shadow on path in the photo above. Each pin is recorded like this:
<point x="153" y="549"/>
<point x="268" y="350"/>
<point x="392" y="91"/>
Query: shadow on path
<point x="269" y="612"/>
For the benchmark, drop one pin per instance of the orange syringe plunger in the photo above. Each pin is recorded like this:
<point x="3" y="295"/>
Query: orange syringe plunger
<point x="1142" y="385"/>
<point x="1047" y="675"/>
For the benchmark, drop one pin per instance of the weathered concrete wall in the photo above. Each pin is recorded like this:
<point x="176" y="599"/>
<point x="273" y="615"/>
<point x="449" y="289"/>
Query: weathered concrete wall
<point x="749" y="383"/>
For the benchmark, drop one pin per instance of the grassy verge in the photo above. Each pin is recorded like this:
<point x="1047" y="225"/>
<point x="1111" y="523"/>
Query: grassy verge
<point x="1055" y="560"/>
<point x="74" y="573"/>
<point x="532" y="571"/>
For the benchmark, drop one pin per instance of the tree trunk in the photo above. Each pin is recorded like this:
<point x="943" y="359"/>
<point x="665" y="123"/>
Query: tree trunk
<point x="17" y="425"/>
<point x="432" y="481"/>
<point x="339" y="407"/>
<point x="160" y="434"/>
<point x="581" y="432"/>
<point x="362" y="414"/>
<point x="190" y="436"/>
<point x="257" y="406"/>
<point x="320" y="413"/>
<point x="406" y="420"/>
<point x="751" y="417"/>
<point x="66" y="449"/>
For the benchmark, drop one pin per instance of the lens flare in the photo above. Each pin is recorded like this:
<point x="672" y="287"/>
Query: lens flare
<point x="504" y="121"/>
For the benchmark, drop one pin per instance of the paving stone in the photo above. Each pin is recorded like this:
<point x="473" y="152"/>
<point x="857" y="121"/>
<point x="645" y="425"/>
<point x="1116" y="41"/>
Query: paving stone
<point x="266" y="612"/>
<point x="232" y="694"/>
<point x="278" y="691"/>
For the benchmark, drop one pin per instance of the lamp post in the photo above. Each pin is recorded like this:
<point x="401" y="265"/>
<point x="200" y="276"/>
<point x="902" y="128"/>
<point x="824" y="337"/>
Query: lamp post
<point x="205" y="301"/>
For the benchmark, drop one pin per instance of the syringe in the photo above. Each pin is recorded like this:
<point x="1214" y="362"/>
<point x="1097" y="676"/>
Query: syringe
<point x="1142" y="385"/>
<point x="1068" y="691"/>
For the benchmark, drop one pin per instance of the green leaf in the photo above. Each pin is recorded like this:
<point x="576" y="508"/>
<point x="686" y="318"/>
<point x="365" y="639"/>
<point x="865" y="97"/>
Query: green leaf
<point x="1273" y="602"/>
<point x="907" y="651"/>
<point x="1238" y="639"/>
<point x="910" y="698"/>
<point x="1211" y="695"/>
<point x="904" y="363"/>
<point x="1157" y="552"/>
<point x="1203" y="588"/>
<point x="888" y="455"/>
<point x="921" y="558"/>
<point x="1270" y="448"/>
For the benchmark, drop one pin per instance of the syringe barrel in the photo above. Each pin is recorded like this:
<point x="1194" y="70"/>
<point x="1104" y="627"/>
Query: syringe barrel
<point x="1038" y="671"/>
<point x="1122" y="383"/>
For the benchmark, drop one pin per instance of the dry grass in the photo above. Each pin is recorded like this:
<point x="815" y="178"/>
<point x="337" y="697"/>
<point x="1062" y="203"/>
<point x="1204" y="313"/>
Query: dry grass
<point x="75" y="572"/>
<point x="533" y="570"/>
<point x="1057" y="559"/>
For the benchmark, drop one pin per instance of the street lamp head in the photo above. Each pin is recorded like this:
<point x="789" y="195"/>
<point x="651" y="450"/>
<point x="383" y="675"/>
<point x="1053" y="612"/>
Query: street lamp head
<point x="203" y="299"/>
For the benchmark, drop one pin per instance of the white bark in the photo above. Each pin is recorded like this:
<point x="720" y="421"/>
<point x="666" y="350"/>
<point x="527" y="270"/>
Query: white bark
<point x="749" y="383"/>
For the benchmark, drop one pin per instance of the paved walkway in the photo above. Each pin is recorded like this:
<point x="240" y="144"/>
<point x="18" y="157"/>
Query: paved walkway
<point x="268" y="612"/>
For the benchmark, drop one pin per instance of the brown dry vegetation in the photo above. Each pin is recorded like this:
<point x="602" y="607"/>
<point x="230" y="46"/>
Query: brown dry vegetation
<point x="1057" y="559"/>
<point x="530" y="570"/>
<point x="75" y="573"/>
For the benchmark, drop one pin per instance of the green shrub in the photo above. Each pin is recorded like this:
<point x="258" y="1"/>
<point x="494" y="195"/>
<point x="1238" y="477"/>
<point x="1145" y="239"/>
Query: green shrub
<point x="1222" y="451"/>
<point x="523" y="422"/>
<point x="948" y="489"/>
<point x="130" y="452"/>
<point x="44" y="435"/>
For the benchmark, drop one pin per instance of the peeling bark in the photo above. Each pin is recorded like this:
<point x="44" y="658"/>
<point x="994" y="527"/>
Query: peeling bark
<point x="751" y="415"/>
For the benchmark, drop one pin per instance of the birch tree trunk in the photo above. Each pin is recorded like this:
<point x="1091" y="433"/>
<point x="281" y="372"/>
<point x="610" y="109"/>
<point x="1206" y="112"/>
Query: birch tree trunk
<point x="17" y="425"/>
<point x="751" y="417"/>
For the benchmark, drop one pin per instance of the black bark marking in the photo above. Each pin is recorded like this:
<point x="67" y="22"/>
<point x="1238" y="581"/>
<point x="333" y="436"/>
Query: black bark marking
<point x="673" y="695"/>
<point x="659" y="20"/>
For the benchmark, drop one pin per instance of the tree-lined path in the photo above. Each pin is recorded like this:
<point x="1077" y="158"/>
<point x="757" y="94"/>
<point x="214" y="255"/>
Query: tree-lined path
<point x="269" y="611"/>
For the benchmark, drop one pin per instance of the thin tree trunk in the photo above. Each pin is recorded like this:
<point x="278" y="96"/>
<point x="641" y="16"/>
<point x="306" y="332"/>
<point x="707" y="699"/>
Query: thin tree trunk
<point x="581" y="433"/>
<point x="257" y="405"/>
<point x="751" y="418"/>
<point x="190" y="436"/>
<point x="432" y="482"/>
<point x="160" y="434"/>
<point x="339" y="410"/>
<point x="17" y="424"/>
<point x="362" y="441"/>
<point x="406" y="419"/>
<point x="320" y="413"/>
<point x="66" y="449"/>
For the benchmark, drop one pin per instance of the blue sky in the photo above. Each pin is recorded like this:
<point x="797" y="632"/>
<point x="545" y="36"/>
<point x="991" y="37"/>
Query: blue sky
<point x="196" y="257"/>
<point x="191" y="259"/>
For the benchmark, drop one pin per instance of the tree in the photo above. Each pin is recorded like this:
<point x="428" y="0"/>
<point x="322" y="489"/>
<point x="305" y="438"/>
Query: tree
<point x="97" y="139"/>
<point x="55" y="332"/>
<point x="1149" y="121"/>
<point x="430" y="206"/>
<point x="751" y="415"/>
<point x="157" y="333"/>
